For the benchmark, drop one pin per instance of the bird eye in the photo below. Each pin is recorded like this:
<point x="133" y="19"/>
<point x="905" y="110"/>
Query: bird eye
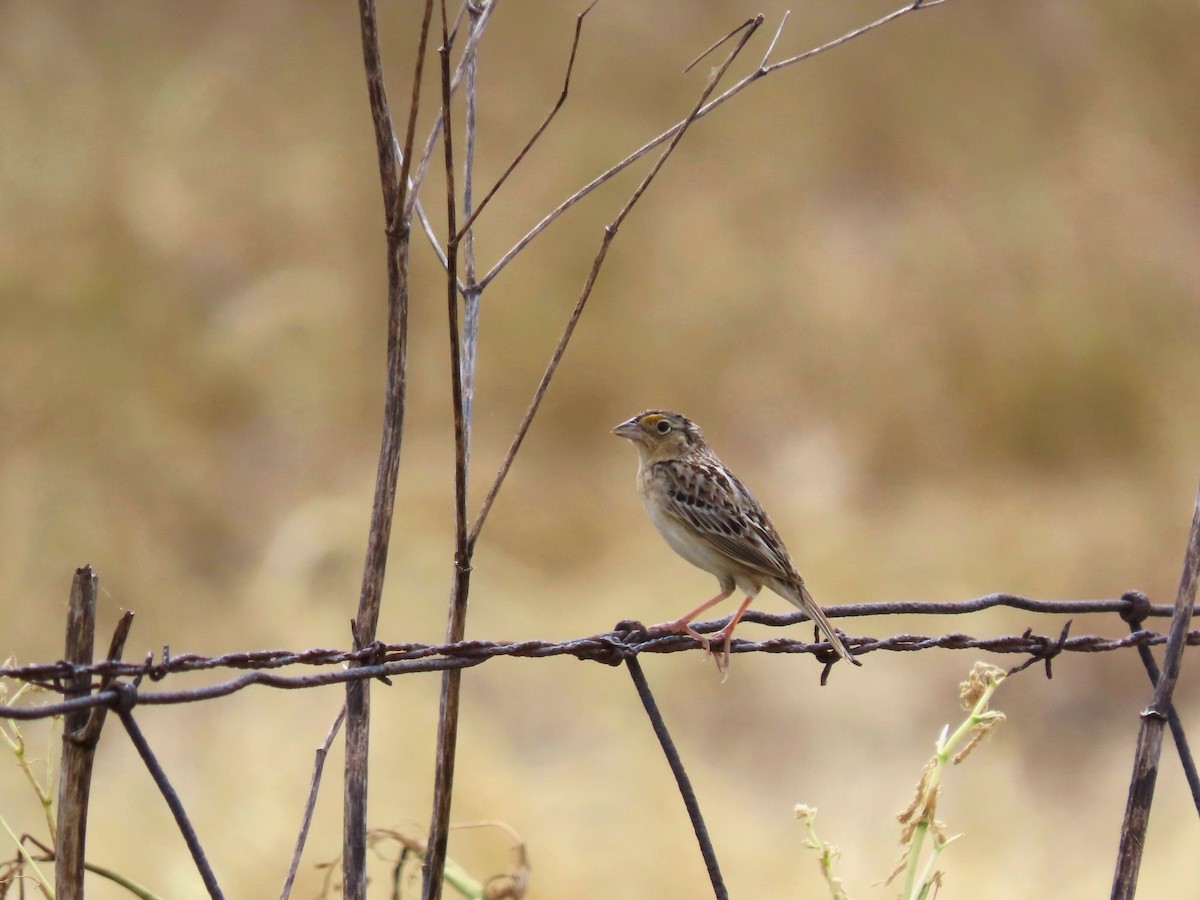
<point x="663" y="426"/>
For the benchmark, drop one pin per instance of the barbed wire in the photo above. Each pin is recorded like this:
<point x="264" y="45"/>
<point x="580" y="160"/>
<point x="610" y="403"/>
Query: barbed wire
<point x="627" y="640"/>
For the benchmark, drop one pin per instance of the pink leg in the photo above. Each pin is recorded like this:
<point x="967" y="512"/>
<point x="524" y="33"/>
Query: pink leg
<point x="726" y="633"/>
<point x="683" y="624"/>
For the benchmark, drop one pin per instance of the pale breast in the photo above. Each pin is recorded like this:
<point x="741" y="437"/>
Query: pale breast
<point x="681" y="537"/>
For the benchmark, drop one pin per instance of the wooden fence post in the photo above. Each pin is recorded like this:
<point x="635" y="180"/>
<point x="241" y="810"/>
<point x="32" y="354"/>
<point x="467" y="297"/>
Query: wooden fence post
<point x="79" y="743"/>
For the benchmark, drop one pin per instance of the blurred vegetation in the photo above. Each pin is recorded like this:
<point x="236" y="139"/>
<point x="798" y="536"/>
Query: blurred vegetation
<point x="933" y="294"/>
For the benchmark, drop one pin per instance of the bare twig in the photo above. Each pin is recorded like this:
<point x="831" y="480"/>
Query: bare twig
<point x="714" y="47"/>
<point x="775" y="40"/>
<point x="311" y="804"/>
<point x="468" y="287"/>
<point x="398" y="214"/>
<point x="851" y="35"/>
<point x="473" y="38"/>
<point x="466" y="237"/>
<point x="762" y="71"/>
<point x="538" y="132"/>
<point x="427" y="227"/>
<point x="447" y="736"/>
<point x="1149" y="745"/>
<point x="610" y="232"/>
<point x="116" y="647"/>
<point x="78" y="751"/>
<point x="1175" y="723"/>
<point x="398" y="218"/>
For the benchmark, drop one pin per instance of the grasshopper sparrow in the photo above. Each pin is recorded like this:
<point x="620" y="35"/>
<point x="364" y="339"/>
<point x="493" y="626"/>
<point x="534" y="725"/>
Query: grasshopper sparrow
<point x="713" y="521"/>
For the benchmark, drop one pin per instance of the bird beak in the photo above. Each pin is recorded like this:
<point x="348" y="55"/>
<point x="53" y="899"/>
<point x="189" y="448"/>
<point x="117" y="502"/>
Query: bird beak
<point x="630" y="429"/>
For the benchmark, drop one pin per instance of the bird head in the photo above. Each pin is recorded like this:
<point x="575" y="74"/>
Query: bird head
<point x="660" y="435"/>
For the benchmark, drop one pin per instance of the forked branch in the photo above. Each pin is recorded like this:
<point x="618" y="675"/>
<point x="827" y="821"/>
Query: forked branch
<point x="610" y="233"/>
<point x="762" y="71"/>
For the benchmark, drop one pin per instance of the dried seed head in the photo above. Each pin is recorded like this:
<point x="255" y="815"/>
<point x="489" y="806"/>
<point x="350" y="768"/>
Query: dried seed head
<point x="981" y="678"/>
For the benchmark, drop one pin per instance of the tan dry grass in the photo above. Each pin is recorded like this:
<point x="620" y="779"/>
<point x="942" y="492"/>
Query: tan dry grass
<point x="960" y="259"/>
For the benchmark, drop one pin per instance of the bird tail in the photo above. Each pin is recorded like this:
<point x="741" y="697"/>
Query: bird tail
<point x="798" y="594"/>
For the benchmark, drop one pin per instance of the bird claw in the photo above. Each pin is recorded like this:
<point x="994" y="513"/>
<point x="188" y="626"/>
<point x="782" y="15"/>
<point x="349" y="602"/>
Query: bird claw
<point x="680" y="626"/>
<point x="722" y="637"/>
<point x="725" y="638"/>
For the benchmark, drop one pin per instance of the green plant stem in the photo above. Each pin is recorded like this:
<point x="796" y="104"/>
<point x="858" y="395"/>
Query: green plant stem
<point x="29" y="861"/>
<point x="16" y="743"/>
<point x="132" y="886"/>
<point x="944" y="749"/>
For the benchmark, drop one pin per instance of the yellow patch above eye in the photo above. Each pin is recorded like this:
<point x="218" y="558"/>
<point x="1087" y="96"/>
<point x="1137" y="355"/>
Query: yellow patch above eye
<point x="652" y="419"/>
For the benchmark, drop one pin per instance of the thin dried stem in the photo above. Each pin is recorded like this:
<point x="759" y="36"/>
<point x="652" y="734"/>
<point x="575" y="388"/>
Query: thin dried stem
<point x="466" y="236"/>
<point x="637" y="154"/>
<point x="538" y="132"/>
<point x="311" y="804"/>
<point x="473" y="38"/>
<point x="1150" y="735"/>
<point x="399" y="212"/>
<point x="394" y="180"/>
<point x="427" y="228"/>
<point x="848" y="36"/>
<point x="447" y="739"/>
<point x="610" y="232"/>
<point x="775" y="40"/>
<point x="720" y="42"/>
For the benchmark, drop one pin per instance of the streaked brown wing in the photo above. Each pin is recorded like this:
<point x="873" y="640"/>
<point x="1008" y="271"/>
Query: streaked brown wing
<point x="723" y="512"/>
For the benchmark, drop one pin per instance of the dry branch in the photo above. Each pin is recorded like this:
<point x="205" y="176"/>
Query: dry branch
<point x="1149" y="745"/>
<point x="761" y="72"/>
<point x="311" y="804"/>
<point x="393" y="174"/>
<point x="610" y="233"/>
<point x="448" y="705"/>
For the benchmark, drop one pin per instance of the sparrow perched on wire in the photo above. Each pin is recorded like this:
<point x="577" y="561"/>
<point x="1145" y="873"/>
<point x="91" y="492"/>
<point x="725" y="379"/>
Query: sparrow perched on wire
<point x="713" y="521"/>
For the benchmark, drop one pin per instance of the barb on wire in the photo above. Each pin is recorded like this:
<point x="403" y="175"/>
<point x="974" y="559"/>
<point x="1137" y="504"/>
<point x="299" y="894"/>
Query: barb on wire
<point x="681" y="777"/>
<point x="608" y="648"/>
<point x="48" y="674"/>
<point x="1049" y="650"/>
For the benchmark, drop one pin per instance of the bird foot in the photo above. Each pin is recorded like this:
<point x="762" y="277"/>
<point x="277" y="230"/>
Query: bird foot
<point x="724" y="637"/>
<point x="720" y="639"/>
<point x="683" y="626"/>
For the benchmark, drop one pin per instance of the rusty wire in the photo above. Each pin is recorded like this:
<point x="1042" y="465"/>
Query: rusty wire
<point x="622" y="645"/>
<point x="628" y="639"/>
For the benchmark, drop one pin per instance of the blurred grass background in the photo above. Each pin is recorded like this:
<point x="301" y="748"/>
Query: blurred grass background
<point x="933" y="294"/>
